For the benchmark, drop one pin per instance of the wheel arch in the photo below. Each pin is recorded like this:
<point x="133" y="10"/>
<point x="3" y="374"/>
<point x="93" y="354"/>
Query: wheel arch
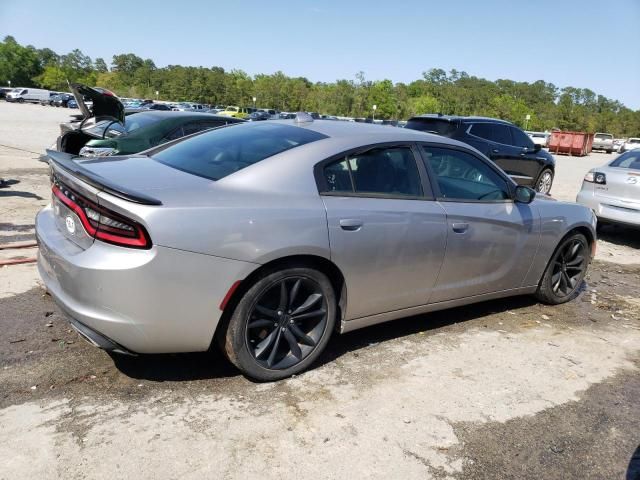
<point x="319" y="263"/>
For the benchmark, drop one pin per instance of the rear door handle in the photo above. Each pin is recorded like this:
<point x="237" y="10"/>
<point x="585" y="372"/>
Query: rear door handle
<point x="351" y="224"/>
<point x="460" y="227"/>
<point x="495" y="150"/>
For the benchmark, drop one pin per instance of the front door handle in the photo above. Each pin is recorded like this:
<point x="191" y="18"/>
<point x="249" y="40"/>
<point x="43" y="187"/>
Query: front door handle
<point x="351" y="224"/>
<point x="460" y="227"/>
<point x="495" y="150"/>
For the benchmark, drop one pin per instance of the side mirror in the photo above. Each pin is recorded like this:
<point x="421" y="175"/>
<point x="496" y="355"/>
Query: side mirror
<point x="524" y="194"/>
<point x="536" y="147"/>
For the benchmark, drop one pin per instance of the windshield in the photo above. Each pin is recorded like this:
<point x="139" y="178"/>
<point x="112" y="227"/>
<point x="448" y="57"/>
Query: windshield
<point x="604" y="136"/>
<point x="634" y="140"/>
<point x="628" y="160"/>
<point x="223" y="151"/>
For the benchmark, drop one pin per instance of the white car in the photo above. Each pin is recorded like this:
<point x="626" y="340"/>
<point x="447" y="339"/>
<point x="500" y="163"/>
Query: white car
<point x="539" y="138"/>
<point x="35" y="95"/>
<point x="631" y="144"/>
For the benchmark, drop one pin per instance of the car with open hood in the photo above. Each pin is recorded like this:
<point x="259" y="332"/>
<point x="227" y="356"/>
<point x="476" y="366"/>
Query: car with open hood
<point x="105" y="129"/>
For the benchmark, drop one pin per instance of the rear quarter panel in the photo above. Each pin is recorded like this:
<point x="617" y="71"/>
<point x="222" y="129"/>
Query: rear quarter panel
<point x="557" y="219"/>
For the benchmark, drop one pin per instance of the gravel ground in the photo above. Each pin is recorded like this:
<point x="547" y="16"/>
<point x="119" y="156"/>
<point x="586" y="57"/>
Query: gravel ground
<point x="504" y="389"/>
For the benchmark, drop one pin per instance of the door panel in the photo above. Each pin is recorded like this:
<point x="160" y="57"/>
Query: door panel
<point x="490" y="247"/>
<point x="389" y="250"/>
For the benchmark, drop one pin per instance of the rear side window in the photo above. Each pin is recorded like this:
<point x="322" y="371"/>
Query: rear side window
<point x="432" y="125"/>
<point x="629" y="159"/>
<point x="492" y="132"/>
<point x="223" y="151"/>
<point x="381" y="171"/>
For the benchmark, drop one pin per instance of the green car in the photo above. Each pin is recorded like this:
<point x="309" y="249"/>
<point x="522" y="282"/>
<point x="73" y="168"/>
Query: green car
<point x="105" y="128"/>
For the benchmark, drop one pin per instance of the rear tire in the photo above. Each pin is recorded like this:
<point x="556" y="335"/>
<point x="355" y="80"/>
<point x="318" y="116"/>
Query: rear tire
<point x="544" y="181"/>
<point x="565" y="272"/>
<point x="281" y="324"/>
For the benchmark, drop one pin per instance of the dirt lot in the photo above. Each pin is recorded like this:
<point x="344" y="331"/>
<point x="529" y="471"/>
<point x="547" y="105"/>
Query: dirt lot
<point x="504" y="389"/>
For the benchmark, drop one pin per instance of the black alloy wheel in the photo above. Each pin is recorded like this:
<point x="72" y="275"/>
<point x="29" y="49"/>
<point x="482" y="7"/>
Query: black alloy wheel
<point x="286" y="322"/>
<point x="281" y="324"/>
<point x="566" y="271"/>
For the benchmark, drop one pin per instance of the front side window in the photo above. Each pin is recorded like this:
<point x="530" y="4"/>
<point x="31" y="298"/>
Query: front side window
<point x="389" y="171"/>
<point x="223" y="151"/>
<point x="464" y="177"/>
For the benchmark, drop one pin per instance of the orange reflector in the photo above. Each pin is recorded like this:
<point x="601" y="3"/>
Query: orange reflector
<point x="229" y="294"/>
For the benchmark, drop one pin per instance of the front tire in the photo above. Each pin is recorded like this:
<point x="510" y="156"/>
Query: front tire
<point x="545" y="181"/>
<point x="565" y="272"/>
<point x="281" y="324"/>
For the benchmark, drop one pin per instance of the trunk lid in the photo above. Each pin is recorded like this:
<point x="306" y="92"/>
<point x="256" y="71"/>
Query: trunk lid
<point x="623" y="185"/>
<point x="105" y="105"/>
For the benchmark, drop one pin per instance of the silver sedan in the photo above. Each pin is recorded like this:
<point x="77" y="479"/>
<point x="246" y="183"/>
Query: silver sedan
<point x="613" y="190"/>
<point x="265" y="238"/>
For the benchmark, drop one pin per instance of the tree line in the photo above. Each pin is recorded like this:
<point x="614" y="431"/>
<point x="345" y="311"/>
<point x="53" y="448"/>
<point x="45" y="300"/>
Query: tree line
<point x="454" y="92"/>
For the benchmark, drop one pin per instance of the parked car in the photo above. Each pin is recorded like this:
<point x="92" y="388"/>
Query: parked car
<point x="62" y="99"/>
<point x="72" y="103"/>
<point x="266" y="237"/>
<point x="540" y="138"/>
<point x="613" y="190"/>
<point x="106" y="129"/>
<point x="33" y="95"/>
<point x="237" y="112"/>
<point x="49" y="101"/>
<point x="630" y="144"/>
<point x="157" y="106"/>
<point x="603" y="141"/>
<point x="3" y="92"/>
<point x="504" y="143"/>
<point x="258" y="115"/>
<point x="287" y="115"/>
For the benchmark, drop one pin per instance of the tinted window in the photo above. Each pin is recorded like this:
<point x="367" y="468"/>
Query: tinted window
<point x="432" y="125"/>
<point x="337" y="177"/>
<point x="521" y="139"/>
<point x="629" y="159"/>
<point x="492" y="131"/>
<point x="223" y="151"/>
<point x="384" y="171"/>
<point x="462" y="176"/>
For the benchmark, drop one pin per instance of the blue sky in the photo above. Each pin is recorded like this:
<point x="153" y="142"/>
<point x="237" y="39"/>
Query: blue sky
<point x="589" y="44"/>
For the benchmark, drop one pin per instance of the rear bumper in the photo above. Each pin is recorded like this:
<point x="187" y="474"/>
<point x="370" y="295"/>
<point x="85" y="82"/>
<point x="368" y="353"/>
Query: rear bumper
<point x="160" y="300"/>
<point x="611" y="210"/>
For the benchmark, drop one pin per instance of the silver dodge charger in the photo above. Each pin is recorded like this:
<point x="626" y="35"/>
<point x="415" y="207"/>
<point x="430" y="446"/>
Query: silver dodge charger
<point x="266" y="237"/>
<point x="613" y="190"/>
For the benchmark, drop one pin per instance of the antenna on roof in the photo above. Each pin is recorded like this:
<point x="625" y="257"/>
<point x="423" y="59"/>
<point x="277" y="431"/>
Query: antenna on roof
<point x="303" y="117"/>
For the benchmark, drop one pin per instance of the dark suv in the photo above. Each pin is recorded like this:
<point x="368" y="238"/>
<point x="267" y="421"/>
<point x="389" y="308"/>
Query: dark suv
<point x="504" y="143"/>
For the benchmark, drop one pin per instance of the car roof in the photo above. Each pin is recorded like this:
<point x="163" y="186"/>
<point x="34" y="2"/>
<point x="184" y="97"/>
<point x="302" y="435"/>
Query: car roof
<point x="382" y="133"/>
<point x="451" y="118"/>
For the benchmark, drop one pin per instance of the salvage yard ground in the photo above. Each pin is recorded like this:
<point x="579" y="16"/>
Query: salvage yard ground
<point x="503" y="389"/>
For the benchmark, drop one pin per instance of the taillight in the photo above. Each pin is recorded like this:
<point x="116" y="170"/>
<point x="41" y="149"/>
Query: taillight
<point x="596" y="177"/>
<point x="102" y="223"/>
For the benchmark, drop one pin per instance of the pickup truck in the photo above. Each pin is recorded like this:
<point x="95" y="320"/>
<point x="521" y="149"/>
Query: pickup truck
<point x="603" y="141"/>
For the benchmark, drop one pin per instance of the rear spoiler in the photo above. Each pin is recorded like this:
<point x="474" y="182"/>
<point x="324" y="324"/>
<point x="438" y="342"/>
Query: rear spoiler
<point x="66" y="162"/>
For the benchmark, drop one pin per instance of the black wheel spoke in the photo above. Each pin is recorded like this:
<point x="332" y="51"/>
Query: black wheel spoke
<point x="576" y="262"/>
<point x="262" y="323"/>
<point x="308" y="303"/>
<point x="304" y="316"/>
<point x="293" y="344"/>
<point x="284" y="298"/>
<point x="294" y="293"/>
<point x="555" y="281"/>
<point x="267" y="312"/>
<point x="264" y="345"/>
<point x="274" y="350"/>
<point x="303" y="337"/>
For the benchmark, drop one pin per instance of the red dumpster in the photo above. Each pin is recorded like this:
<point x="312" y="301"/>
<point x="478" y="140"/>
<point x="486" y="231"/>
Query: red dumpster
<point x="571" y="143"/>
